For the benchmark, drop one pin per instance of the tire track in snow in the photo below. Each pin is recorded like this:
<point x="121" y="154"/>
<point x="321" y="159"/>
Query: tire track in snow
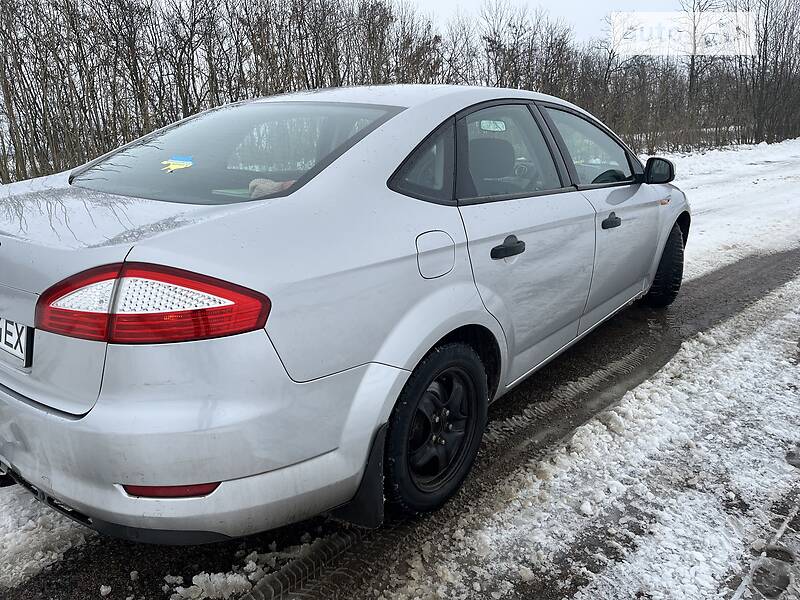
<point x="685" y="491"/>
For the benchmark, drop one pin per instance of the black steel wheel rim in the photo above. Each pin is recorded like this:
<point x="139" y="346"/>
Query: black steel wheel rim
<point x="442" y="429"/>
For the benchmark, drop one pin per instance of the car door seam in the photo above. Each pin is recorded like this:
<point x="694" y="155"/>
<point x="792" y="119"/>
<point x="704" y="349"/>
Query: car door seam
<point x="594" y="262"/>
<point x="105" y="351"/>
<point x="477" y="288"/>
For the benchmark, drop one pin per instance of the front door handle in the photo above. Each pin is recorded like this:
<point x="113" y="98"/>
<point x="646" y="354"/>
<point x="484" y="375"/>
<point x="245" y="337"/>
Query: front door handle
<point x="510" y="247"/>
<point x="611" y="221"/>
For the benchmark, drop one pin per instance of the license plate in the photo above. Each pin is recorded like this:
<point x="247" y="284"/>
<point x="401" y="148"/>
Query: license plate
<point x="14" y="339"/>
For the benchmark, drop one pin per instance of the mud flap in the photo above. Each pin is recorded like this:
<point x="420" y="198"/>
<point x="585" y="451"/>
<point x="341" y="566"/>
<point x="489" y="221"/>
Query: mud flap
<point x="366" y="507"/>
<point x="5" y="477"/>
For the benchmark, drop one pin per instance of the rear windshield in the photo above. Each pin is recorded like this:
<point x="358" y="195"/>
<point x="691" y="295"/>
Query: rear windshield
<point x="236" y="153"/>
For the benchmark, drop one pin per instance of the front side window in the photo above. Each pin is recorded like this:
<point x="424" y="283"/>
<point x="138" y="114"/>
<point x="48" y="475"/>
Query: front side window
<point x="504" y="154"/>
<point x="236" y="153"/>
<point x="428" y="172"/>
<point x="597" y="157"/>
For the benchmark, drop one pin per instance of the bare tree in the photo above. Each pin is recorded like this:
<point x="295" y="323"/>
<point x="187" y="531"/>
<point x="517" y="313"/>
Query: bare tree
<point x="79" y="77"/>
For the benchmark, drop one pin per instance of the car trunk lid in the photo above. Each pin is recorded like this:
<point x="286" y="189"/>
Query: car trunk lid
<point x="50" y="230"/>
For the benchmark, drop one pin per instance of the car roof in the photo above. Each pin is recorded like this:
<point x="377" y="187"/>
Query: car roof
<point x="408" y="95"/>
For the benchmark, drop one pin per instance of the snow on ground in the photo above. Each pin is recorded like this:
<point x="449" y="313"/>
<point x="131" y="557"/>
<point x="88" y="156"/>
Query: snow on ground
<point x="32" y="536"/>
<point x="252" y="568"/>
<point x="744" y="199"/>
<point x="669" y="488"/>
<point x="661" y="496"/>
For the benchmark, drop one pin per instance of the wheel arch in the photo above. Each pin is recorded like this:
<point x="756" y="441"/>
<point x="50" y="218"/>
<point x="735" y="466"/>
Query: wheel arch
<point x="451" y="312"/>
<point x="486" y="346"/>
<point x="366" y="506"/>
<point x="683" y="220"/>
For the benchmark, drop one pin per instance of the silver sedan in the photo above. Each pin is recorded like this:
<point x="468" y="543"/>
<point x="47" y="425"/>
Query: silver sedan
<point x="304" y="304"/>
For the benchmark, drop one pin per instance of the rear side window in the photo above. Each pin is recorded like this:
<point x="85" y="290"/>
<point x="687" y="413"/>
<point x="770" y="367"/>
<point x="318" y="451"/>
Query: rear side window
<point x="504" y="154"/>
<point x="236" y="153"/>
<point x="597" y="157"/>
<point x="428" y="172"/>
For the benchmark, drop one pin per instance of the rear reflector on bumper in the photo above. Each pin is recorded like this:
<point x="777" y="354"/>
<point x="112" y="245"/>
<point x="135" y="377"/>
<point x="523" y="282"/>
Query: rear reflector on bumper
<point x="171" y="491"/>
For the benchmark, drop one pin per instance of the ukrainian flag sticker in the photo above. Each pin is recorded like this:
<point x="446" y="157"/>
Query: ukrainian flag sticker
<point x="176" y="163"/>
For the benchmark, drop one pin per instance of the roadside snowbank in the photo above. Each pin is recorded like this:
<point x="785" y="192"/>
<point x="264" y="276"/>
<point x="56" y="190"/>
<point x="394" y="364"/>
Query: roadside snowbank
<point x="744" y="199"/>
<point x="660" y="496"/>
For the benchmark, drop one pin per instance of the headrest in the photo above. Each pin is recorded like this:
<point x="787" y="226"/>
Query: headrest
<point x="490" y="158"/>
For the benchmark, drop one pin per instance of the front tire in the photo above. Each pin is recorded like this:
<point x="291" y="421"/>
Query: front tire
<point x="667" y="282"/>
<point x="436" y="428"/>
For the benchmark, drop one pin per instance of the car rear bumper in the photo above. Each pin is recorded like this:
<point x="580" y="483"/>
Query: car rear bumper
<point x="283" y="451"/>
<point x="235" y="509"/>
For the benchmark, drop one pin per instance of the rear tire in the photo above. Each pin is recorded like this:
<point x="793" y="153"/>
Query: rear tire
<point x="667" y="282"/>
<point x="435" y="429"/>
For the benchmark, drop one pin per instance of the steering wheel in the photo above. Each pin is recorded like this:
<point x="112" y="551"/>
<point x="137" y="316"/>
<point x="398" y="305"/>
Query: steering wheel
<point x="527" y="169"/>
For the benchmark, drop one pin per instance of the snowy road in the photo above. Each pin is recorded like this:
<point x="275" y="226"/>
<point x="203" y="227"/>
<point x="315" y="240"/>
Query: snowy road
<point x="656" y="459"/>
<point x="662" y="495"/>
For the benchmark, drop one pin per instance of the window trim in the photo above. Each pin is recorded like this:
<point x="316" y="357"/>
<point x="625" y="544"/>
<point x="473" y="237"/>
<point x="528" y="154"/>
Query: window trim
<point x="634" y="164"/>
<point x="391" y="111"/>
<point x="550" y="143"/>
<point x="503" y="197"/>
<point x="555" y="145"/>
<point x="449" y="167"/>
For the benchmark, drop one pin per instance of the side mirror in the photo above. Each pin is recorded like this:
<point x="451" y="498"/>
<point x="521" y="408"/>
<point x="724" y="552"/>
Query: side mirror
<point x="659" y="170"/>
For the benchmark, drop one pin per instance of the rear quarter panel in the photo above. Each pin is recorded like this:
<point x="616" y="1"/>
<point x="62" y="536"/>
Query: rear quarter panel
<point x="338" y="259"/>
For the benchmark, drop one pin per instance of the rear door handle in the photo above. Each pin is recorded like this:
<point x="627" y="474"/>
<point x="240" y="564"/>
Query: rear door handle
<point x="611" y="221"/>
<point x="511" y="246"/>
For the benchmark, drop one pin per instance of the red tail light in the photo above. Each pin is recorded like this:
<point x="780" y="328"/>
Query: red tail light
<point x="80" y="305"/>
<point x="138" y="303"/>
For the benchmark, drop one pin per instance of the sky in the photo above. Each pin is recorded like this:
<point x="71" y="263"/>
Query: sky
<point x="585" y="17"/>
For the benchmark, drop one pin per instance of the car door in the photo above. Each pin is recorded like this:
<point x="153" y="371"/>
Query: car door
<point x="607" y="174"/>
<point x="530" y="234"/>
